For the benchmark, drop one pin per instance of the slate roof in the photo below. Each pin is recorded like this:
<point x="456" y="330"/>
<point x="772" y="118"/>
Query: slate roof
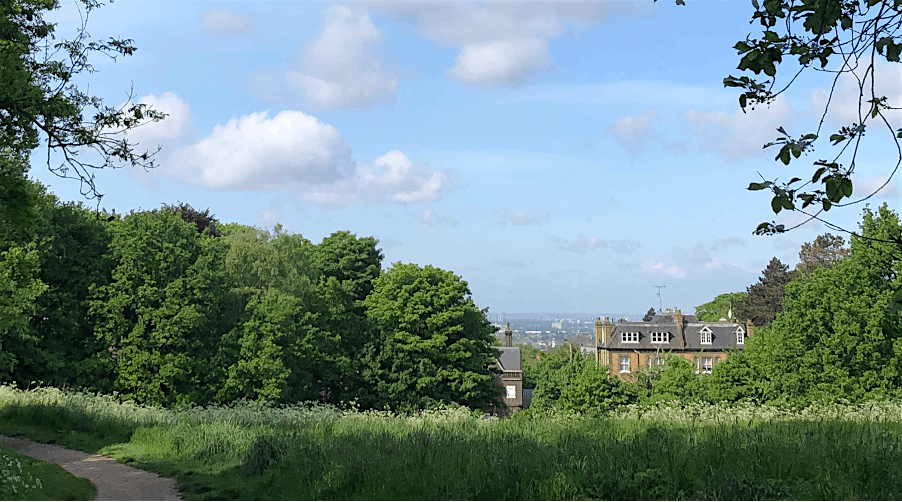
<point x="723" y="335"/>
<point x="509" y="360"/>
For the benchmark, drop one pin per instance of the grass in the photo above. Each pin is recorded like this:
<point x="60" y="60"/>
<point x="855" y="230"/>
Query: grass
<point x="24" y="478"/>
<point x="674" y="452"/>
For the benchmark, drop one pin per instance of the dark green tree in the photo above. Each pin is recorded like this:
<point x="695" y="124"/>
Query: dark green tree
<point x="432" y="343"/>
<point x="765" y="298"/>
<point x="649" y="315"/>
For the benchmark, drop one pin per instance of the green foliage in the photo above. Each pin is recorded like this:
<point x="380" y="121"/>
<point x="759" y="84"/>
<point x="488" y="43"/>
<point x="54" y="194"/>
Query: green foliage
<point x="20" y="286"/>
<point x="529" y="364"/>
<point x="675" y="379"/>
<point x="765" y="298"/>
<point x="649" y="315"/>
<point x="25" y="478"/>
<point x="720" y="306"/>
<point x="570" y="381"/>
<point x="432" y="345"/>
<point x="159" y="314"/>
<point x="825" y="251"/>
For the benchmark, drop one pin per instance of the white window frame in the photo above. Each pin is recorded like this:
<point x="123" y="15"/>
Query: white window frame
<point x="625" y="368"/>
<point x="703" y="367"/>
<point x="629" y="337"/>
<point x="740" y="336"/>
<point x="660" y="337"/>
<point x="653" y="361"/>
<point x="706" y="336"/>
<point x="511" y="391"/>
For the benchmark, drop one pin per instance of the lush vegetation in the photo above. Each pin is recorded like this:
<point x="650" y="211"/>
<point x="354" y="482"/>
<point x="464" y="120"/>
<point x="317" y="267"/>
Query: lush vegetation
<point x="673" y="452"/>
<point x="24" y="478"/>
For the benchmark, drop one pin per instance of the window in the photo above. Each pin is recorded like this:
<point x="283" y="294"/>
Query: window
<point x="707" y="364"/>
<point x="660" y="338"/>
<point x="511" y="392"/>
<point x="705" y="335"/>
<point x="653" y="360"/>
<point x="629" y="337"/>
<point x="624" y="364"/>
<point x="740" y="336"/>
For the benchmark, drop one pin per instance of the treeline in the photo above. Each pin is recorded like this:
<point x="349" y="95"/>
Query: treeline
<point x="170" y="307"/>
<point x="834" y="335"/>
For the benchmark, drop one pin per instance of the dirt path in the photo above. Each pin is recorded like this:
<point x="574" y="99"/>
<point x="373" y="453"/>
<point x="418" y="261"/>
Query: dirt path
<point x="114" y="481"/>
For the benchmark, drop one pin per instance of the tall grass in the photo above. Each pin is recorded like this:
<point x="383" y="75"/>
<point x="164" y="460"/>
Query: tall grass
<point x="674" y="452"/>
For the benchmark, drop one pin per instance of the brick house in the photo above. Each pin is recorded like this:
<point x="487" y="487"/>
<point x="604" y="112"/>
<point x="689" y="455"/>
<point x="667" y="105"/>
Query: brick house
<point x="511" y="378"/>
<point x="626" y="346"/>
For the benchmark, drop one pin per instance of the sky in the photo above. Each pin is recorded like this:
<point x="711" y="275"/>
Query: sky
<point x="559" y="156"/>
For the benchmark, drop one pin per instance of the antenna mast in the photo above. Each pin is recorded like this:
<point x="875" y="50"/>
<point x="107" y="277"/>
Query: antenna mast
<point x="660" y="303"/>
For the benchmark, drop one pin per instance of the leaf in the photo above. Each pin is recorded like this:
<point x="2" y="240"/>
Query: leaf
<point x="771" y="36"/>
<point x="826" y="204"/>
<point x="788" y="204"/>
<point x="776" y="204"/>
<point x="846" y="186"/>
<point x="755" y="5"/>
<point x="818" y="174"/>
<point x="837" y="138"/>
<point x="743" y="102"/>
<point x="759" y="186"/>
<point x="893" y="51"/>
<point x="783" y="156"/>
<point x="794" y="180"/>
<point x="742" y="47"/>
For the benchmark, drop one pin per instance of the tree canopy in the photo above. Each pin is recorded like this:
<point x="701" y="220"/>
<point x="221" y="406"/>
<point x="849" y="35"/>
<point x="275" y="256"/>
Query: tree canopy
<point x="765" y="298"/>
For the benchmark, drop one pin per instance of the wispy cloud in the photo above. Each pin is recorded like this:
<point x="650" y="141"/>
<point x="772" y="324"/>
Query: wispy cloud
<point x="660" y="269"/>
<point x="582" y="244"/>
<point x="507" y="216"/>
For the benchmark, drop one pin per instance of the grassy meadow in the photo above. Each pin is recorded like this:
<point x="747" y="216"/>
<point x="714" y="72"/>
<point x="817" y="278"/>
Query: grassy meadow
<point x="674" y="452"/>
<point x="24" y="478"/>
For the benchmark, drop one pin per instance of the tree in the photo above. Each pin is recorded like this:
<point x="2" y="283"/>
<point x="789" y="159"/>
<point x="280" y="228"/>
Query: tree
<point x="838" y="338"/>
<point x="825" y="251"/>
<point x="720" y="307"/>
<point x="572" y="381"/>
<point x="675" y="379"/>
<point x="432" y="344"/>
<point x="649" y="315"/>
<point x="529" y="363"/>
<point x="40" y="102"/>
<point x="20" y="285"/>
<point x="765" y="298"/>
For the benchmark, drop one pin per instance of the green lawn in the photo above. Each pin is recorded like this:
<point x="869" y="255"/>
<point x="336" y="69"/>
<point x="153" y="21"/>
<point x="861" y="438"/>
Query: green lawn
<point x="666" y="452"/>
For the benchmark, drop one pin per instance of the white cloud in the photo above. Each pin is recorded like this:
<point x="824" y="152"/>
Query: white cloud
<point x="508" y="216"/>
<point x="660" y="268"/>
<point x="736" y="135"/>
<point x="701" y="252"/>
<point x="864" y="187"/>
<point x="175" y="128"/>
<point x="503" y="43"/>
<point x="507" y="63"/>
<point x="219" y="22"/>
<point x="257" y="152"/>
<point x="433" y="219"/>
<point x="339" y="70"/>
<point x="391" y="178"/>
<point x="512" y="262"/>
<point x="582" y="244"/>
<point x="845" y="108"/>
<point x="634" y="132"/>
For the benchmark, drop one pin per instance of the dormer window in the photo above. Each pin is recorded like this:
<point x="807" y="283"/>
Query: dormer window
<point x="705" y="335"/>
<point x="632" y="337"/>
<point x="660" y="338"/>
<point x="740" y="336"/>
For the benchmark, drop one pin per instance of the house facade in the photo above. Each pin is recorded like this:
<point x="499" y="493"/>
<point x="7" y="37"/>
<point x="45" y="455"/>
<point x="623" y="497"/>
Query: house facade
<point x="510" y="380"/>
<point x="626" y="347"/>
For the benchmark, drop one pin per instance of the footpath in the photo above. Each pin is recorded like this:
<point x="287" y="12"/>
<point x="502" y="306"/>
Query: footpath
<point x="114" y="481"/>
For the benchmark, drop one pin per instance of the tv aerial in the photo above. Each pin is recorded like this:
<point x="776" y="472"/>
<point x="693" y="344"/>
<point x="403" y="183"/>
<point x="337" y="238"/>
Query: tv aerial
<point x="660" y="303"/>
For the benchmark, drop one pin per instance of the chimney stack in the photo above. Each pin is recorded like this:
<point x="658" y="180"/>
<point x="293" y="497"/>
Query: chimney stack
<point x="508" y="336"/>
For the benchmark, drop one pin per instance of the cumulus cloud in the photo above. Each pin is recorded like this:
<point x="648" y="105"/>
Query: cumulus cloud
<point x="433" y="219"/>
<point x="502" y="44"/>
<point x="508" y="216"/>
<point x="660" y="268"/>
<point x="391" y="178"/>
<point x="176" y="128"/>
<point x="265" y="153"/>
<point x="338" y="69"/>
<point x="582" y="244"/>
<point x="219" y="22"/>
<point x="295" y="151"/>
<point x="887" y="188"/>
<point x="634" y="132"/>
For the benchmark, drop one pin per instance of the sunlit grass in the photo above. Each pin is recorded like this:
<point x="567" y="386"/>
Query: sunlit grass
<point x="673" y="452"/>
<point x="24" y="478"/>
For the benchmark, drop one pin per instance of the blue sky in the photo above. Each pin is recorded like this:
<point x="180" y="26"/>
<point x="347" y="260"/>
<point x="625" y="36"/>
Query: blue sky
<point x="559" y="156"/>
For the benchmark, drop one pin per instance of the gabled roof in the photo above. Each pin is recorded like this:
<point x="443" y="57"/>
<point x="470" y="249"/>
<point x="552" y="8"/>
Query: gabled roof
<point x="509" y="360"/>
<point x="723" y="335"/>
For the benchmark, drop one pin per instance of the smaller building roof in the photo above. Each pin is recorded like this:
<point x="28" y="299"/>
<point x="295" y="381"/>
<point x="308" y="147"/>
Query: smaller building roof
<point x="509" y="360"/>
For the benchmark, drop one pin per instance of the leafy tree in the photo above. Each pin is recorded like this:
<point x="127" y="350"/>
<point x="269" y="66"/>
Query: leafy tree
<point x="837" y="337"/>
<point x="720" y="306"/>
<point x="571" y="381"/>
<point x="160" y="314"/>
<point x="825" y="251"/>
<point x="765" y="298"/>
<point x="347" y="257"/>
<point x="20" y="285"/>
<point x="649" y="315"/>
<point x="529" y="362"/>
<point x="40" y="102"/>
<point x="735" y="379"/>
<point x="203" y="220"/>
<point x="433" y="345"/>
<point x="675" y="379"/>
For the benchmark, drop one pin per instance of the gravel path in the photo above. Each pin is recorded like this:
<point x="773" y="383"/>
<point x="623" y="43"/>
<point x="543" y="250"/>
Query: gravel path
<point x="114" y="481"/>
